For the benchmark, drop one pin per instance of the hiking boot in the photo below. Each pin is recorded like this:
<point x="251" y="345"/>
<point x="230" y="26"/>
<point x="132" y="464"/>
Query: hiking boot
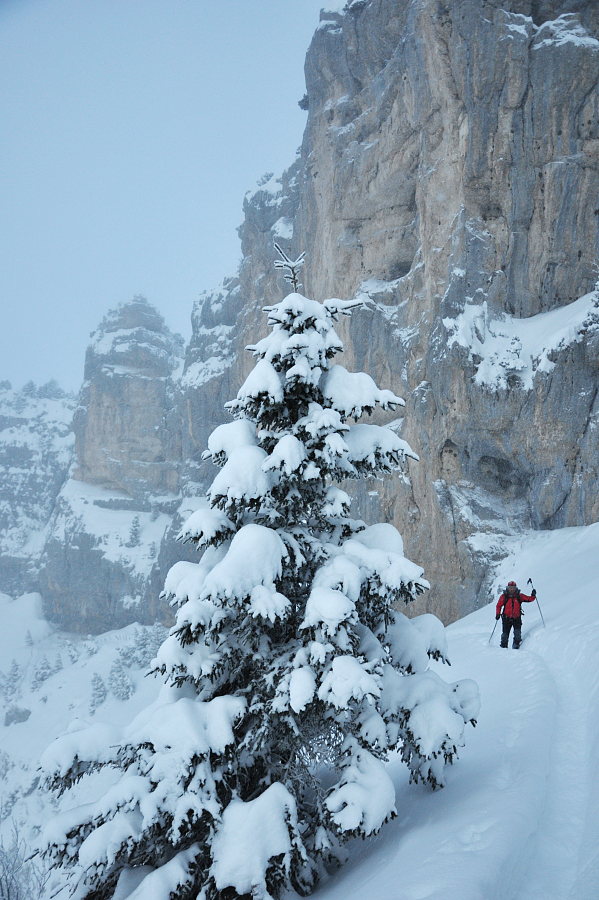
<point x="516" y="646"/>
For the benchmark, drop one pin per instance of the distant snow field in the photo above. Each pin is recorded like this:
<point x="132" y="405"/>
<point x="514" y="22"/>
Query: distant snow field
<point x="518" y="817"/>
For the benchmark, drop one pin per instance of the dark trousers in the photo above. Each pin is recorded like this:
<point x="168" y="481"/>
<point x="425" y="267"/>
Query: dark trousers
<point x="508" y="624"/>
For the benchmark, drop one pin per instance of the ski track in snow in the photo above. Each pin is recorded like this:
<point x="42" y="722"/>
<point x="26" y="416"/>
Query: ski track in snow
<point x="565" y="820"/>
<point x="518" y="817"/>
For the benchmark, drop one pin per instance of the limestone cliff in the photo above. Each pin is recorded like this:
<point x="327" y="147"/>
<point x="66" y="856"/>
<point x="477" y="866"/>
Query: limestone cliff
<point x="107" y="542"/>
<point x="449" y="175"/>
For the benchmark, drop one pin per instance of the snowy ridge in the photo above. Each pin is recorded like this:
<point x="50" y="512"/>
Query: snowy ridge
<point x="332" y="10"/>
<point x="211" y="350"/>
<point x="503" y="347"/>
<point x="269" y="184"/>
<point x="133" y="339"/>
<point x="50" y="681"/>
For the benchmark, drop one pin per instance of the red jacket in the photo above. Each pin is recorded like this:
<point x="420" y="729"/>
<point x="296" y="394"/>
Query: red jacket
<point x="511" y="605"/>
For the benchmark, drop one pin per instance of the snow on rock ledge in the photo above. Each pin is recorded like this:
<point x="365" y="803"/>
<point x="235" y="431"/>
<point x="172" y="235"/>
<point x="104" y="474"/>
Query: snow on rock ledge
<point x="502" y="347"/>
<point x="562" y="31"/>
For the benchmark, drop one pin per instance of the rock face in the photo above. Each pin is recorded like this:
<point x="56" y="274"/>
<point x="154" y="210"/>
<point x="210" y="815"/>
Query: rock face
<point x="206" y="382"/>
<point x="108" y="533"/>
<point x="449" y="175"/>
<point x="36" y="447"/>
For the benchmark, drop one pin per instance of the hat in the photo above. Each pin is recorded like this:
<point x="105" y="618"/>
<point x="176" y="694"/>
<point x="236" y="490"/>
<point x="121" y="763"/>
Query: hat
<point x="511" y="584"/>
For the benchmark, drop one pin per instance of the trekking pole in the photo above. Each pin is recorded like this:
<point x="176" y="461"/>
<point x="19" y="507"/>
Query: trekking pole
<point x="493" y="632"/>
<point x="537" y="599"/>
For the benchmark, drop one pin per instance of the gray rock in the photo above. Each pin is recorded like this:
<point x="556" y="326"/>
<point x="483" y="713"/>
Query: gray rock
<point x="127" y="436"/>
<point x="15" y="715"/>
<point x="451" y="160"/>
<point x="36" y="446"/>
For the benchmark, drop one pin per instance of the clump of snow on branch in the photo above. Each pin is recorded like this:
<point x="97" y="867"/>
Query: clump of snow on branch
<point x="251" y="836"/>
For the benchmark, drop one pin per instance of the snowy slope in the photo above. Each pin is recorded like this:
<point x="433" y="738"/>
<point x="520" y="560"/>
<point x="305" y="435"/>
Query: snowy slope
<point x="46" y="682"/>
<point x="517" y="820"/>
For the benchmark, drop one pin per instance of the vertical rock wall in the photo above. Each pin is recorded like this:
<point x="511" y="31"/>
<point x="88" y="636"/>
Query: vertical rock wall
<point x="449" y="174"/>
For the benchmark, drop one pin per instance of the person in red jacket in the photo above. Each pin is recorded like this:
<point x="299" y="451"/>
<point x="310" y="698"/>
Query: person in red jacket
<point x="511" y="603"/>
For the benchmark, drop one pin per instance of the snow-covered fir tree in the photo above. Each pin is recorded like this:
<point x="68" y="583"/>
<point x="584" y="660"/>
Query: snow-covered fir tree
<point x="11" y="683"/>
<point x="134" y="533"/>
<point x="42" y="672"/>
<point x="290" y="675"/>
<point x="119" y="681"/>
<point x="72" y="651"/>
<point x="99" y="693"/>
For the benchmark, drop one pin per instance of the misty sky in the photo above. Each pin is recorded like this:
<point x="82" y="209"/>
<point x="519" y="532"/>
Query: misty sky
<point x="130" y="132"/>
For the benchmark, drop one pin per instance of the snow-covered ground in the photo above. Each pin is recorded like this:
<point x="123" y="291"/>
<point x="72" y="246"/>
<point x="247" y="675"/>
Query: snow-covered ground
<point x="518" y="817"/>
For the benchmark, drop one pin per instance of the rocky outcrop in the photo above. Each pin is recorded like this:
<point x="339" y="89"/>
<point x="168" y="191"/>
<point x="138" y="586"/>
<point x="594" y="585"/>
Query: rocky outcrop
<point x="102" y="559"/>
<point x="36" y="446"/>
<point x="126" y="428"/>
<point x="449" y="176"/>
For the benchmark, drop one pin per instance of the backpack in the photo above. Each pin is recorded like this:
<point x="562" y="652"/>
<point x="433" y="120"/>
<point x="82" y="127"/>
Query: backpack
<point x="515" y="597"/>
